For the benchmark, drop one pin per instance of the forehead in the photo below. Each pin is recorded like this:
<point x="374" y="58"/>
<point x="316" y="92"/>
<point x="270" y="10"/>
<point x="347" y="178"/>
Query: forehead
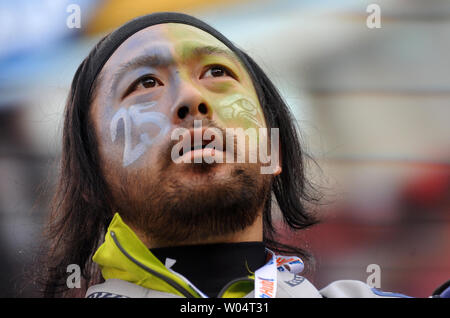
<point x="179" y="39"/>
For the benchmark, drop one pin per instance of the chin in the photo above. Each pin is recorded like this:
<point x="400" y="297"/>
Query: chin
<point x="198" y="201"/>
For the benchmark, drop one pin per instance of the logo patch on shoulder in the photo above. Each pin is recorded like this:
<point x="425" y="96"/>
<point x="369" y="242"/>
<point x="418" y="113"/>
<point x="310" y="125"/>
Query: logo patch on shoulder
<point x="105" y="295"/>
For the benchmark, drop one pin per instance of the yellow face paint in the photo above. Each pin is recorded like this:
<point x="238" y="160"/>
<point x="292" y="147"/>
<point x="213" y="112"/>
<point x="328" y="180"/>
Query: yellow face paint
<point x="241" y="109"/>
<point x="233" y="99"/>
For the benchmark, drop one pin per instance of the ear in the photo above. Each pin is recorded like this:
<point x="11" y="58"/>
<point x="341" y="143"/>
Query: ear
<point x="277" y="171"/>
<point x="278" y="168"/>
<point x="275" y="157"/>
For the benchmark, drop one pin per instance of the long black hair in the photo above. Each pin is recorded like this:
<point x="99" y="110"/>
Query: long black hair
<point x="81" y="208"/>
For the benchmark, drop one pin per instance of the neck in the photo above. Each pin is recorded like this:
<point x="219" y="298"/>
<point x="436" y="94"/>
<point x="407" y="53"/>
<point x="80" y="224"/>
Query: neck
<point x="252" y="233"/>
<point x="211" y="266"/>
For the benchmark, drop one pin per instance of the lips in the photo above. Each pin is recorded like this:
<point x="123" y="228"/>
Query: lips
<point x="199" y="147"/>
<point x="195" y="145"/>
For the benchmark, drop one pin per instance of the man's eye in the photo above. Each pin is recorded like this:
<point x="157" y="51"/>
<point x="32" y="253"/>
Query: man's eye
<point x="146" y="82"/>
<point x="217" y="71"/>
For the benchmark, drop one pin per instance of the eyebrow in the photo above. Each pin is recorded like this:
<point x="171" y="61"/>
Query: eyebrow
<point x="214" y="50"/>
<point x="154" y="59"/>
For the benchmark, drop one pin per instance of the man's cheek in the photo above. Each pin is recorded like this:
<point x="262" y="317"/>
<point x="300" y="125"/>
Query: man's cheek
<point x="137" y="128"/>
<point x="242" y="117"/>
<point x="239" y="111"/>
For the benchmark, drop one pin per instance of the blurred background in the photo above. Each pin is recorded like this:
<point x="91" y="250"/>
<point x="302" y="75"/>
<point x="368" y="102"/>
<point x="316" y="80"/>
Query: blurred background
<point x="373" y="107"/>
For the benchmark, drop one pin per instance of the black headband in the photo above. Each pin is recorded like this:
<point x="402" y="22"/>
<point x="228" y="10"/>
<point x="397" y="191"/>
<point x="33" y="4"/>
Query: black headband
<point x="100" y="55"/>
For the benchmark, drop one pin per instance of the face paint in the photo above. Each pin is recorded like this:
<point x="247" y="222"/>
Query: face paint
<point x="136" y="115"/>
<point x="232" y="98"/>
<point x="242" y="109"/>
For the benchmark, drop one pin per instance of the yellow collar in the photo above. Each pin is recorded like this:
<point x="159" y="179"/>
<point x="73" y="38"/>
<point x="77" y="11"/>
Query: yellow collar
<point x="123" y="256"/>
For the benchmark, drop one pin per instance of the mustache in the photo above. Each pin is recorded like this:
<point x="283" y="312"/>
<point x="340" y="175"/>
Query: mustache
<point x="206" y="123"/>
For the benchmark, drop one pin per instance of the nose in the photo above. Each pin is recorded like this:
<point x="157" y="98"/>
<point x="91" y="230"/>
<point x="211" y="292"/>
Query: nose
<point x="190" y="104"/>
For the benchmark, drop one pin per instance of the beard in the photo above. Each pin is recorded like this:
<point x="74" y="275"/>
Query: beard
<point x="180" y="204"/>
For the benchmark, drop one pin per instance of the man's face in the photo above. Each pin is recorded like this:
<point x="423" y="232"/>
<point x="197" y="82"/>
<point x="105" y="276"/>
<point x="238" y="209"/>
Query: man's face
<point x="162" y="78"/>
